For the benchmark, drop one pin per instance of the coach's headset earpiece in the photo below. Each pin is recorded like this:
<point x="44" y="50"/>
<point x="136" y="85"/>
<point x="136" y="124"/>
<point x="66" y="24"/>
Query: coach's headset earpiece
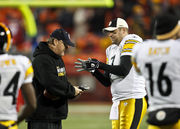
<point x="5" y="37"/>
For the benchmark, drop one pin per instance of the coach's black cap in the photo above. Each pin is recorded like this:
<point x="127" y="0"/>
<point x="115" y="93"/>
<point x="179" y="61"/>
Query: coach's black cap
<point x="61" y="34"/>
<point x="167" y="25"/>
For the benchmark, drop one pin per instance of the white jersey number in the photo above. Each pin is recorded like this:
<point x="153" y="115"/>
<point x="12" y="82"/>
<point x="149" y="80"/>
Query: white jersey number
<point x="161" y="77"/>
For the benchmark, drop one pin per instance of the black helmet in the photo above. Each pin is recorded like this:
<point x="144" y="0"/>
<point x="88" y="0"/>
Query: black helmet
<point x="5" y="38"/>
<point x="167" y="25"/>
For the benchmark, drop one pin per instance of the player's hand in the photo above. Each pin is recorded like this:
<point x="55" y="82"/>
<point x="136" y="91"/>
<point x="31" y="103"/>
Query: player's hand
<point x="94" y="63"/>
<point x="87" y="65"/>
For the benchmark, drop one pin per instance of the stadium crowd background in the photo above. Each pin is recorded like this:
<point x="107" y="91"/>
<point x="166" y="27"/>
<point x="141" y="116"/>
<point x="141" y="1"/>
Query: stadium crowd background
<point x="85" y="25"/>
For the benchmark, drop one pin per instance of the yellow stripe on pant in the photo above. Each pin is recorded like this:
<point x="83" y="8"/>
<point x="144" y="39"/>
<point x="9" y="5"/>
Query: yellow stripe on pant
<point x="131" y="113"/>
<point x="7" y="123"/>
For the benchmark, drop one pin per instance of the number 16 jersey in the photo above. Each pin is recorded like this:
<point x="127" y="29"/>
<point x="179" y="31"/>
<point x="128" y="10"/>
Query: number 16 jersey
<point x="15" y="70"/>
<point x="159" y="63"/>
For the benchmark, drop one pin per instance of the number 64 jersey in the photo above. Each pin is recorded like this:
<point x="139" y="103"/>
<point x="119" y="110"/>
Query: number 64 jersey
<point x="15" y="70"/>
<point x="159" y="63"/>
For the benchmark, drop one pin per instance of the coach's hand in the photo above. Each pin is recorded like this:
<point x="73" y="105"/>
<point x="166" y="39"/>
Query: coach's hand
<point x="78" y="91"/>
<point x="88" y="65"/>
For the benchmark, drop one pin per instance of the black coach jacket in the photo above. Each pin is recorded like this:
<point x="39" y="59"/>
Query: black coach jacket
<point x="50" y="74"/>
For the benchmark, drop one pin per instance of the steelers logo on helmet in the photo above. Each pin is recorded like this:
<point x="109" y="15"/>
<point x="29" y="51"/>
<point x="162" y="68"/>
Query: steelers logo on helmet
<point x="5" y="38"/>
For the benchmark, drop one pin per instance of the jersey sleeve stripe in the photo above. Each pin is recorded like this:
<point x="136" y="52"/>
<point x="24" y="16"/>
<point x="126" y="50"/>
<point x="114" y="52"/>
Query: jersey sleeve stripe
<point x="128" y="46"/>
<point x="29" y="72"/>
<point x="127" y="50"/>
<point x="131" y="41"/>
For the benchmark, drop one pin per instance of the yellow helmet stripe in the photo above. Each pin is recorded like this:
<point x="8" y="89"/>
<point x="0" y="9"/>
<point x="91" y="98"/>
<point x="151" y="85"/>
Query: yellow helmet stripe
<point x="169" y="34"/>
<point x="8" y="33"/>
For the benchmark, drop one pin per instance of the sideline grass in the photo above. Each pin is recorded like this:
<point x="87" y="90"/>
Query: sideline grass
<point x="88" y="116"/>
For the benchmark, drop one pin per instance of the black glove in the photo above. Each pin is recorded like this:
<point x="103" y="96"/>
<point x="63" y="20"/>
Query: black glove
<point x="88" y="65"/>
<point x="93" y="63"/>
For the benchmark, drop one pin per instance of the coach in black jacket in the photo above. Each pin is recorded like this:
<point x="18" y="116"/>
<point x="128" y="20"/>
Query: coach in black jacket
<point x="50" y="81"/>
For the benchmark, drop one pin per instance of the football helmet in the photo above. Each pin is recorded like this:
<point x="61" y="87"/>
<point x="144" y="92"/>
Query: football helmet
<point x="5" y="38"/>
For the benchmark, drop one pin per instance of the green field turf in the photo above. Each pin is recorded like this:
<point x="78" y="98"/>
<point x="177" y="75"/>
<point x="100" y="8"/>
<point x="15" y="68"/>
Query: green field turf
<point x="88" y="116"/>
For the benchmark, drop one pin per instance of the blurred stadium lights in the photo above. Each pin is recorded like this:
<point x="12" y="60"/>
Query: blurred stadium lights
<point x="24" y="7"/>
<point x="58" y="3"/>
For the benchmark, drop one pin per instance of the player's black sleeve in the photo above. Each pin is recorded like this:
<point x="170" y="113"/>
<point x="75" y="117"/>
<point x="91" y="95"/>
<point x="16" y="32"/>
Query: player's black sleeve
<point x="102" y="78"/>
<point x="120" y="70"/>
